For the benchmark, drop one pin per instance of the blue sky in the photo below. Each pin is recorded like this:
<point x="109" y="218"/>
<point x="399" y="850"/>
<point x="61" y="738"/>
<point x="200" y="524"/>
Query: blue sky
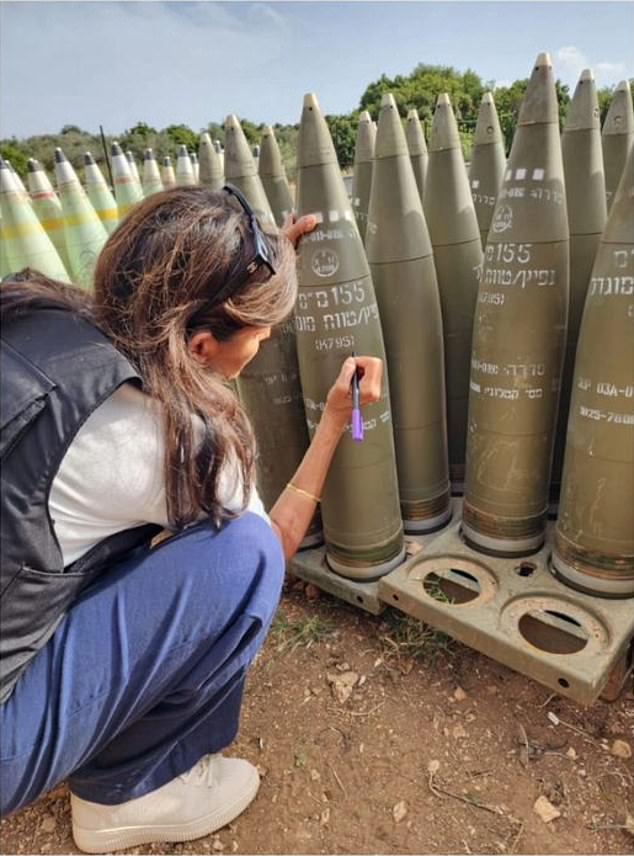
<point x="117" y="63"/>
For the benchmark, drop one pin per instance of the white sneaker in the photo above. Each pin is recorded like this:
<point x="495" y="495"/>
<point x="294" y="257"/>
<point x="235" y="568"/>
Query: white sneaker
<point x="210" y="795"/>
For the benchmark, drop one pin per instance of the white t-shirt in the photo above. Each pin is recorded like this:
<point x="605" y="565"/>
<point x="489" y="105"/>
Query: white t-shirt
<point x="112" y="476"/>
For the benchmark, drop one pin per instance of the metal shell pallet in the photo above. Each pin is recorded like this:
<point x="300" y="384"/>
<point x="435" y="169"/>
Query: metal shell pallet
<point x="513" y="610"/>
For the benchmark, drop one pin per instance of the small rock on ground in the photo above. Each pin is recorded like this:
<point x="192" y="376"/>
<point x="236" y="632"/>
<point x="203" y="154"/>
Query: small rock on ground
<point x="621" y="749"/>
<point x="399" y="811"/>
<point x="545" y="810"/>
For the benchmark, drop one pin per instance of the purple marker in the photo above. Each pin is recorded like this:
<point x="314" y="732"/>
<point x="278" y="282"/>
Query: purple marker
<point x="357" y="420"/>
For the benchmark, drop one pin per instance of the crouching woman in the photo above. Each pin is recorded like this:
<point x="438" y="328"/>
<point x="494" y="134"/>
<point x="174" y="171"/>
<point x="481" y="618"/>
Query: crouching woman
<point x="123" y="664"/>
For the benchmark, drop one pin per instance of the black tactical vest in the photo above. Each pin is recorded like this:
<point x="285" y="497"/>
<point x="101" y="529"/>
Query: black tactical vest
<point x="56" y="370"/>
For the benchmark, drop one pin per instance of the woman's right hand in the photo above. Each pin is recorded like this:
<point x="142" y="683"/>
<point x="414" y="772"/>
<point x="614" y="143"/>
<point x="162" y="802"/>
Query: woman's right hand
<point x="339" y="399"/>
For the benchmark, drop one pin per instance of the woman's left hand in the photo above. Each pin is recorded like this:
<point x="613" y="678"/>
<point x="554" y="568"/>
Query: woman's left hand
<point x="294" y="228"/>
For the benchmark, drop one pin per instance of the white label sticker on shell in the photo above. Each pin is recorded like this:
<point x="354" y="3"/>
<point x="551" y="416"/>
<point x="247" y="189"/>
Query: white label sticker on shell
<point x="538" y="175"/>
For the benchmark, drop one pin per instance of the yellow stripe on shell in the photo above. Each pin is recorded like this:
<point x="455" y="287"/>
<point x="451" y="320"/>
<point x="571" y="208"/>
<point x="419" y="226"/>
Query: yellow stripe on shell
<point x="107" y="213"/>
<point x="20" y="230"/>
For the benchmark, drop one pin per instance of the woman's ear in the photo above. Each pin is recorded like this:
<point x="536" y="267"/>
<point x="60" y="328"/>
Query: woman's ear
<point x="203" y="346"/>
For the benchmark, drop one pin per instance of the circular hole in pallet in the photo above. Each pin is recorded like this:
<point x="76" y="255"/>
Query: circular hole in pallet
<point x="553" y="631"/>
<point x="452" y="586"/>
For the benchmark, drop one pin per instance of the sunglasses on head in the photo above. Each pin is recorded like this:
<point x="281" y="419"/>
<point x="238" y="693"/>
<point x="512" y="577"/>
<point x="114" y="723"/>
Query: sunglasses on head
<point x="262" y="257"/>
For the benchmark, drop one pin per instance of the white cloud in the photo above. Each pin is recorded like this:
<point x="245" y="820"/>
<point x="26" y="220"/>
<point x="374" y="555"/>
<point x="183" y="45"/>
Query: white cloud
<point x="570" y="62"/>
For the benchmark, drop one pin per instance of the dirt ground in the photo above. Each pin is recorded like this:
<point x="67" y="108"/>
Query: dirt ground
<point x="378" y="735"/>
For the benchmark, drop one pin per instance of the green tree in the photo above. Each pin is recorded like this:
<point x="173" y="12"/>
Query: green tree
<point x="421" y="88"/>
<point x="343" y="130"/>
<point x="71" y="129"/>
<point x="14" y="152"/>
<point x="252" y="132"/>
<point x="181" y="135"/>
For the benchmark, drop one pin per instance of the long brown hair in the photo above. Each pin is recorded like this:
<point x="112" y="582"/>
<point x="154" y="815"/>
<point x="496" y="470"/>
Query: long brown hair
<point x="155" y="282"/>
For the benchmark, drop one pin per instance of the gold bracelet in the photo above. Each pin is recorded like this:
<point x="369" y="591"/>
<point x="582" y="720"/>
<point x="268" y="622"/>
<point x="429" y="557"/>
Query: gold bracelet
<point x="303" y="492"/>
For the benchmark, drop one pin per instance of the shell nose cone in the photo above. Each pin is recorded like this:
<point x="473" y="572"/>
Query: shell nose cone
<point x="623" y="86"/>
<point x="33" y="165"/>
<point x="390" y="136"/>
<point x="232" y="122"/>
<point x="88" y="159"/>
<point x="444" y="130"/>
<point x="310" y="101"/>
<point x="60" y="157"/>
<point x="487" y="98"/>
<point x="539" y="105"/>
<point x="149" y="154"/>
<point x="115" y="149"/>
<point x="583" y="113"/>
<point x="182" y="151"/>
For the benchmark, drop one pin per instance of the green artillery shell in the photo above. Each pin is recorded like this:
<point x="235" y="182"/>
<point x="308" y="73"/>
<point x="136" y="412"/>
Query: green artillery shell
<point x="617" y="137"/>
<point x="84" y="231"/>
<point x="362" y="175"/>
<point x="100" y="195"/>
<point x="587" y="215"/>
<point x="594" y="537"/>
<point x="48" y="208"/>
<point x="519" y="336"/>
<point x="195" y="166"/>
<point x="240" y="169"/>
<point x="168" y="176"/>
<point x="210" y="164"/>
<point x="455" y="237"/>
<point x="152" y="182"/>
<point x="221" y="154"/>
<point x="400" y="256"/>
<point x="417" y="149"/>
<point x="337" y="313"/>
<point x="269" y="385"/>
<point x="270" y="390"/>
<point x="184" y="168"/>
<point x="126" y="190"/>
<point x="488" y="162"/>
<point x="24" y="241"/>
<point x="273" y="176"/>
<point x="135" y="172"/>
<point x="18" y="181"/>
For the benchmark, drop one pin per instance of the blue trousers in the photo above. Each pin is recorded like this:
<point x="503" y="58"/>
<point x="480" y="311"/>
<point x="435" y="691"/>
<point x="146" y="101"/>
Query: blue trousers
<point x="145" y="674"/>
